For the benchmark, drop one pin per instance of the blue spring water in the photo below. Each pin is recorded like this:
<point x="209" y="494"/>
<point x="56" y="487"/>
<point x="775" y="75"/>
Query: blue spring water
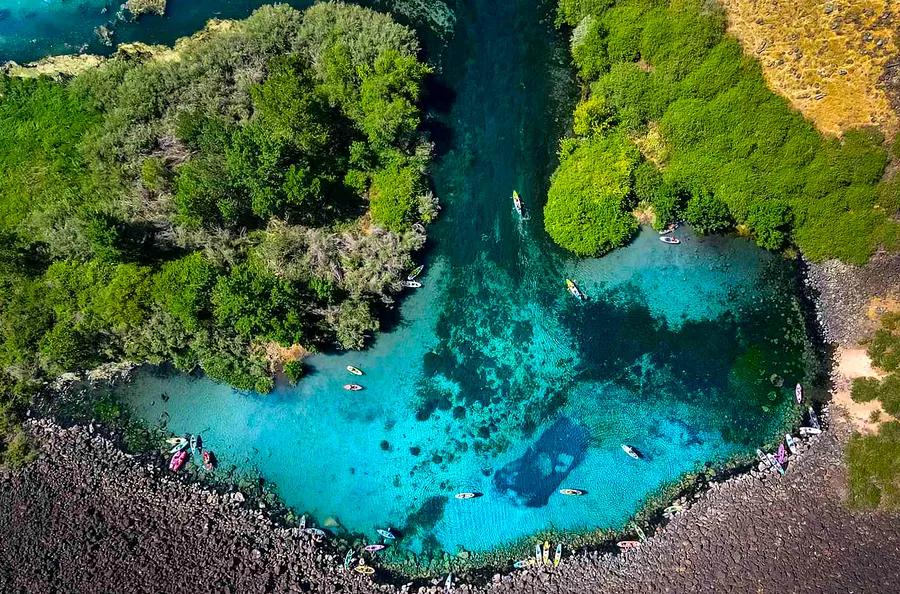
<point x="494" y="379"/>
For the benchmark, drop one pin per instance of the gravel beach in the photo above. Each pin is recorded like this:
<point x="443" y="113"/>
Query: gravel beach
<point x="86" y="517"/>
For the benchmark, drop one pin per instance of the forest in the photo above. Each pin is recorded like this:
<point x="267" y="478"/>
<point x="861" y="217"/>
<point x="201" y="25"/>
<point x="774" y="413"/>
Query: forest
<point x="675" y="120"/>
<point x="252" y="193"/>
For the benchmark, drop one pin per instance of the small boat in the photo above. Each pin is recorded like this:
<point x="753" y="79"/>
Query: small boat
<point x="314" y="532"/>
<point x="668" y="229"/>
<point x="386" y="534"/>
<point x="373" y="548"/>
<point x="809" y="431"/>
<point x="781" y="455"/>
<point x="348" y="559"/>
<point x="178" y="460"/>
<point x="448" y="585"/>
<point x="798" y="393"/>
<point x="364" y="569"/>
<point x="194" y="443"/>
<point x="353" y="387"/>
<point x="415" y="272"/>
<point x="302" y="521"/>
<point x="546" y="553"/>
<point x="517" y="202"/>
<point x="631" y="451"/>
<point x="181" y="445"/>
<point x="523" y="563"/>
<point x="673" y="509"/>
<point x="209" y="460"/>
<point x="467" y="495"/>
<point x="176" y="440"/>
<point x="814" y="419"/>
<point x="538" y="555"/>
<point x="624" y="545"/>
<point x="637" y="530"/>
<point x="410" y="284"/>
<point x="354" y="370"/>
<point x="791" y="443"/>
<point x="573" y="289"/>
<point x="557" y="555"/>
<point x="775" y="463"/>
<point x="670" y="240"/>
<point x="575" y="492"/>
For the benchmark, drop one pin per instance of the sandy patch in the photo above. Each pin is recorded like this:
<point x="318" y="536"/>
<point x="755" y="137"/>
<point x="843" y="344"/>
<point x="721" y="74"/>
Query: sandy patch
<point x="853" y="363"/>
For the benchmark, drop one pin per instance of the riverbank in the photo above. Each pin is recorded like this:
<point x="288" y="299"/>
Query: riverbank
<point x="85" y="515"/>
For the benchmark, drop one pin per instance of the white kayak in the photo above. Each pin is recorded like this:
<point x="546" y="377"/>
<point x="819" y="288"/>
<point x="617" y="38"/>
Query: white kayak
<point x="410" y="284"/>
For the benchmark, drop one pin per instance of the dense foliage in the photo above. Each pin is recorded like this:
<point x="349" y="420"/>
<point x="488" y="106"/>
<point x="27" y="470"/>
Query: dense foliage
<point x="719" y="148"/>
<point x="257" y="187"/>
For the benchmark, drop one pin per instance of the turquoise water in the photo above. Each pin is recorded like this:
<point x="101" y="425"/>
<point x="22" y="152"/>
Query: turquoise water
<point x="494" y="379"/>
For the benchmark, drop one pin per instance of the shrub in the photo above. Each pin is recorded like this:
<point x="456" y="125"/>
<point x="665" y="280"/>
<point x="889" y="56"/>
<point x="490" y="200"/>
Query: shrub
<point x="874" y="468"/>
<point x="707" y="214"/>
<point x="864" y="389"/>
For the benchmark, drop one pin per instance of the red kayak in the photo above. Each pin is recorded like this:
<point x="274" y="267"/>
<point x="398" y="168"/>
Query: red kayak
<point x="209" y="460"/>
<point x="178" y="460"/>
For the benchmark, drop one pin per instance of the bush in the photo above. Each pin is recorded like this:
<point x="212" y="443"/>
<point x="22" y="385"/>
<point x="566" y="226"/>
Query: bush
<point x="864" y="389"/>
<point x="884" y="347"/>
<point x="294" y="371"/>
<point x="393" y="195"/>
<point x="874" y="468"/>
<point x="707" y="214"/>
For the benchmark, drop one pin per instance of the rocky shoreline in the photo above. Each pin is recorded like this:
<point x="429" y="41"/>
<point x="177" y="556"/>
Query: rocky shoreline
<point x="87" y="517"/>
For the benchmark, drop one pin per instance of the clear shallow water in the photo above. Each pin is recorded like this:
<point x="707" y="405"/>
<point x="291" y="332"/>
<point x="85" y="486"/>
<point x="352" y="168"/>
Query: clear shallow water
<point x="495" y="380"/>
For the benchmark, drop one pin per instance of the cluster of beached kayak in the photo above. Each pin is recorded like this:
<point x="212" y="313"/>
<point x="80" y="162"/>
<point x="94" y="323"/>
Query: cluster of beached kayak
<point x="778" y="460"/>
<point x="184" y="447"/>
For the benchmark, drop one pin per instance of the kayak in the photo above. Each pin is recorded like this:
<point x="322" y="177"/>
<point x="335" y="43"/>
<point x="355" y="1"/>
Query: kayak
<point x="546" y="553"/>
<point x="209" y="460"/>
<point x="415" y="272"/>
<point x="798" y="393"/>
<point x="373" y="548"/>
<point x="791" y="443"/>
<point x="178" y="460"/>
<point x="628" y="544"/>
<point x="353" y="387"/>
<point x="364" y="569"/>
<point x="194" y="443"/>
<point x="557" y="555"/>
<point x="775" y="463"/>
<point x="575" y="492"/>
<point x="814" y="419"/>
<point x="670" y="240"/>
<point x="631" y="451"/>
<point x="781" y="456"/>
<point x="181" y="445"/>
<point x="386" y="534"/>
<point x="176" y="440"/>
<point x="348" y="559"/>
<point x="538" y="556"/>
<point x="517" y="202"/>
<point x="523" y="563"/>
<point x="314" y="532"/>
<point x="668" y="229"/>
<point x="809" y="431"/>
<point x="573" y="289"/>
<point x="637" y="529"/>
<point x="673" y="509"/>
<point x="354" y="370"/>
<point x="410" y="284"/>
<point x="448" y="585"/>
<point x="466" y="495"/>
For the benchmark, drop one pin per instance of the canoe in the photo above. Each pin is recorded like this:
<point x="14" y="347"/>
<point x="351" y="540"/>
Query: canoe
<point x="668" y="229"/>
<point x="410" y="284"/>
<point x="178" y="460"/>
<point x="775" y="463"/>
<point x="199" y="442"/>
<point x="557" y="555"/>
<point x="373" y="548"/>
<point x="467" y="495"/>
<point x="353" y="387"/>
<point x="814" y="419"/>
<point x="798" y="393"/>
<point x="546" y="553"/>
<point x="179" y="446"/>
<point x="523" y="563"/>
<point x="673" y="509"/>
<point x="517" y="202"/>
<point x="348" y="559"/>
<point x="791" y="443"/>
<point x="624" y="545"/>
<point x="573" y="289"/>
<point x="781" y="456"/>
<point x="364" y="569"/>
<point x="176" y="440"/>
<point x="538" y="555"/>
<point x="314" y="532"/>
<point x="637" y="530"/>
<point x="415" y="272"/>
<point x="809" y="431"/>
<point x="631" y="451"/>
<point x="575" y="492"/>
<point x="449" y="583"/>
<point x="354" y="370"/>
<point x="386" y="534"/>
<point x="193" y="443"/>
<point x="670" y="240"/>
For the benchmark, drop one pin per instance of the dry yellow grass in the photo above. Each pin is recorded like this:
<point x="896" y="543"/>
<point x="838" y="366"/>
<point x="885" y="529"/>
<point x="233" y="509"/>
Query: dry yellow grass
<point x="826" y="58"/>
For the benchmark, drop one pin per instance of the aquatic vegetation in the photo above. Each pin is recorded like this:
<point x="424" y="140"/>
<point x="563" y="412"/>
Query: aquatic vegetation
<point x="729" y="150"/>
<point x="145" y="202"/>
